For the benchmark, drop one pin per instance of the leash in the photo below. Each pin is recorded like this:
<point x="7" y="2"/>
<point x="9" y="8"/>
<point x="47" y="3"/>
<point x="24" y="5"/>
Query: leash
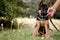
<point x="54" y="25"/>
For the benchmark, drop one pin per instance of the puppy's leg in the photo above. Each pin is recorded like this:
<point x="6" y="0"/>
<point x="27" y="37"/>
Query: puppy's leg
<point x="47" y="28"/>
<point x="35" y="32"/>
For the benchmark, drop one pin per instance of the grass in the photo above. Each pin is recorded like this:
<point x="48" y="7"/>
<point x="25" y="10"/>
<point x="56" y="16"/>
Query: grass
<point x="25" y="34"/>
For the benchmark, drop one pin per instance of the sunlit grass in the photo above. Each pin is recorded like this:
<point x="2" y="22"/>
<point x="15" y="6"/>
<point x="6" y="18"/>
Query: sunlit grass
<point x="25" y="34"/>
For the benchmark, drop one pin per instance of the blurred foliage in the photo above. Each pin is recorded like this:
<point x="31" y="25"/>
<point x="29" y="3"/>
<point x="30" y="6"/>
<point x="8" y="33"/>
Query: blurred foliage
<point x="18" y="8"/>
<point x="5" y="9"/>
<point x="57" y="14"/>
<point x="13" y="8"/>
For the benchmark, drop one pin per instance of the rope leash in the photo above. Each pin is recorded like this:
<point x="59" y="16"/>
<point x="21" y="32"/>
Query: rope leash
<point x="54" y="25"/>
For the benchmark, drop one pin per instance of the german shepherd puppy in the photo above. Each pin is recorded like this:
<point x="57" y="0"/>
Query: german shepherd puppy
<point x="42" y="24"/>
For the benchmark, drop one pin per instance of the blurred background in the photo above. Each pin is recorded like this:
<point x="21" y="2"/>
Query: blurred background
<point x="21" y="8"/>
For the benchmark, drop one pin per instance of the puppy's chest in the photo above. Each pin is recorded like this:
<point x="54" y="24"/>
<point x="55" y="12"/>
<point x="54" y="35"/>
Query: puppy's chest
<point x="42" y="17"/>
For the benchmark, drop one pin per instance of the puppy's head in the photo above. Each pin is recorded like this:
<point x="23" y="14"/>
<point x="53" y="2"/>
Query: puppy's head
<point x="43" y="7"/>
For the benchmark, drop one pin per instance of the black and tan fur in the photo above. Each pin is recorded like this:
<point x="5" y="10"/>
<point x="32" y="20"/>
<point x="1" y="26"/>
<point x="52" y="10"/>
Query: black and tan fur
<point x="42" y="23"/>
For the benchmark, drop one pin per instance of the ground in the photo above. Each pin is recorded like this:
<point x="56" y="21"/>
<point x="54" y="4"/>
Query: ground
<point x="25" y="34"/>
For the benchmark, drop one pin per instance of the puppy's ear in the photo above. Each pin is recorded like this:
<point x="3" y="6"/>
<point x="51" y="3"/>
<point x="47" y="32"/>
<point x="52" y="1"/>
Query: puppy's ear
<point x="39" y="6"/>
<point x="41" y="2"/>
<point x="49" y="3"/>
